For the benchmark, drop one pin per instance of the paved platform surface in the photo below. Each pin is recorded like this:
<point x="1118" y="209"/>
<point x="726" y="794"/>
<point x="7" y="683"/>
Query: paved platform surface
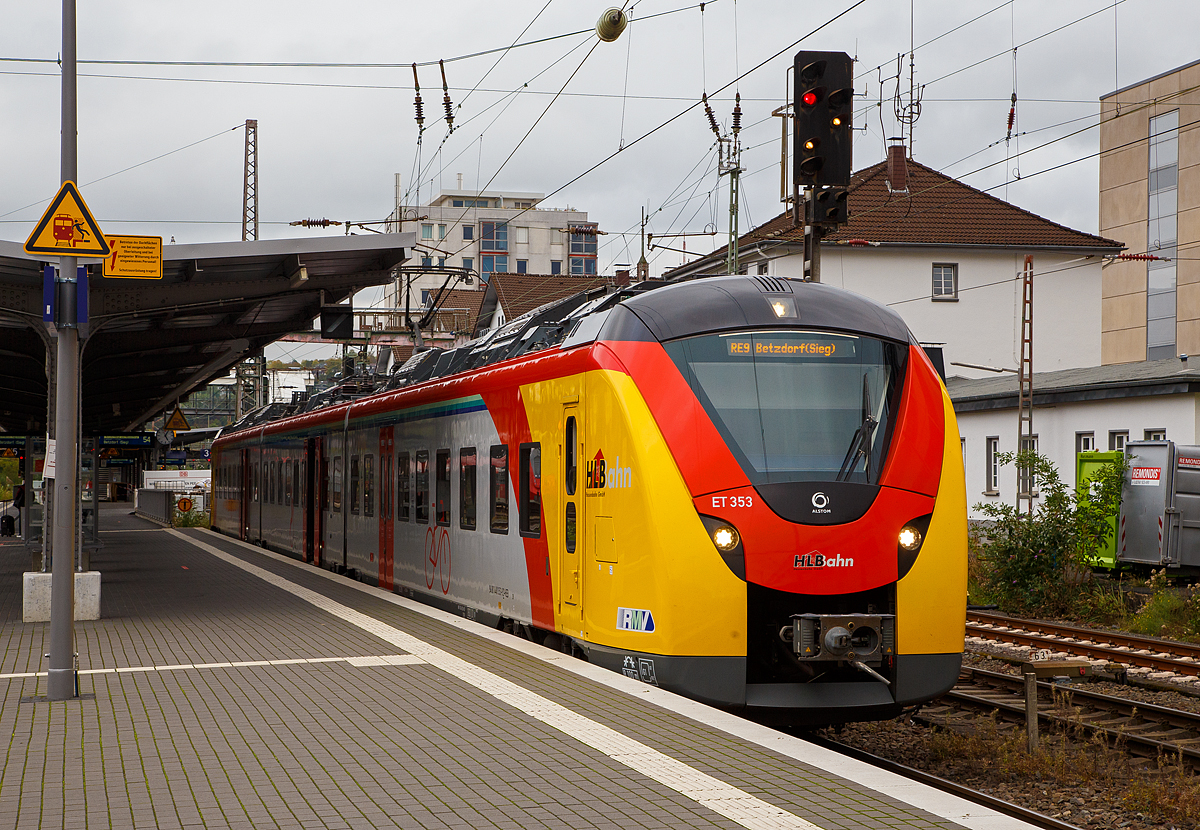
<point x="233" y="688"/>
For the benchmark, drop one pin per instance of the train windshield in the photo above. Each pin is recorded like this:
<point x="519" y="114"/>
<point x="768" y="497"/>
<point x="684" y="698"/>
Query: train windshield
<point x="797" y="405"/>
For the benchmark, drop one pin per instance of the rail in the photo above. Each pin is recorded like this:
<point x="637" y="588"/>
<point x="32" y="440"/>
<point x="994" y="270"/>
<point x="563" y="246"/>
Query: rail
<point x="1143" y="729"/>
<point x="1145" y="652"/>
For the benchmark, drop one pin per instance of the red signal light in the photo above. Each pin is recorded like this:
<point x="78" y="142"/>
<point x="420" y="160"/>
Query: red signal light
<point x="809" y="98"/>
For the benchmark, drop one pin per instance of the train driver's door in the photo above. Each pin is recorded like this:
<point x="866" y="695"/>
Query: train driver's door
<point x="571" y="592"/>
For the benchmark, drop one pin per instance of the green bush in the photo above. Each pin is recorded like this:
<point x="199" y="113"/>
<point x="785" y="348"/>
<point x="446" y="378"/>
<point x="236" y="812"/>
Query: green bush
<point x="1039" y="563"/>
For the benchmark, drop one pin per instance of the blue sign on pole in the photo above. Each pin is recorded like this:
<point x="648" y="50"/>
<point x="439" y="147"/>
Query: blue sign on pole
<point x="48" y="294"/>
<point x="81" y="296"/>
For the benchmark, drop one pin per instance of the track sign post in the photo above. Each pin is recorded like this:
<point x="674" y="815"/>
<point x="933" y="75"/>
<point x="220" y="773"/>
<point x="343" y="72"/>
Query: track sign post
<point x="823" y="106"/>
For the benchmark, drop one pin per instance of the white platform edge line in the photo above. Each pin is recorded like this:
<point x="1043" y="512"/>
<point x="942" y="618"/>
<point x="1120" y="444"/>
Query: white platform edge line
<point x="361" y="661"/>
<point x="934" y="801"/>
<point x="721" y="797"/>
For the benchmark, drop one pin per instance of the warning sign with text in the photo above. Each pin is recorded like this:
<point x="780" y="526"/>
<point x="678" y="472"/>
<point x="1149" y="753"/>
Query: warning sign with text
<point x="134" y="258"/>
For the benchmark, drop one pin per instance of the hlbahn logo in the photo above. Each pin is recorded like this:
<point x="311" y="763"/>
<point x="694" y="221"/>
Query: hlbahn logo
<point x="599" y="475"/>
<point x="816" y="559"/>
<point x="635" y="619"/>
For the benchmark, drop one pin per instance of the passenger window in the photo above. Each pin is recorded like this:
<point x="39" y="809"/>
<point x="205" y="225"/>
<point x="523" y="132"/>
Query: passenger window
<point x="337" y="484"/>
<point x="287" y="483"/>
<point x="403" y="485"/>
<point x="498" y="489"/>
<point x="368" y="485"/>
<point x="271" y="483"/>
<point x="570" y="456"/>
<point x="443" y="488"/>
<point x="297" y="477"/>
<point x="569" y="531"/>
<point x="355" y="482"/>
<point x="531" y="490"/>
<point x="423" y="487"/>
<point x="255" y="474"/>
<point x="385" y="486"/>
<point x="466" y="488"/>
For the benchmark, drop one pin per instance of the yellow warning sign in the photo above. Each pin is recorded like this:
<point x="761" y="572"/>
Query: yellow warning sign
<point x="177" y="422"/>
<point x="133" y="257"/>
<point x="67" y="228"/>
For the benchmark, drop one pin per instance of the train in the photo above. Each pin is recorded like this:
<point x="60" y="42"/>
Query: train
<point x="744" y="489"/>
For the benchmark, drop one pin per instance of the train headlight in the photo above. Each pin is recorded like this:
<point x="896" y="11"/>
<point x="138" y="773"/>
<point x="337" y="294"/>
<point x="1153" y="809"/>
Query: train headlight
<point x="910" y="538"/>
<point x="783" y="306"/>
<point x="725" y="537"/>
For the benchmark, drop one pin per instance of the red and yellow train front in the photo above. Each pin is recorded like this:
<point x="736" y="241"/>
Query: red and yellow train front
<point x="768" y="517"/>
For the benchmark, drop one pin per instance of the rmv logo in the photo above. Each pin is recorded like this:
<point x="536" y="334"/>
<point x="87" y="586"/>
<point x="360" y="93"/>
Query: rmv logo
<point x="635" y="619"/>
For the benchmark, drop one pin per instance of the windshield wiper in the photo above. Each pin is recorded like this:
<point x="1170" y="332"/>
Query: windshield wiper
<point x="860" y="442"/>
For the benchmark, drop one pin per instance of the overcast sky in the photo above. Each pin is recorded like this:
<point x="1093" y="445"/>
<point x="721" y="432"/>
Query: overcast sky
<point x="161" y="146"/>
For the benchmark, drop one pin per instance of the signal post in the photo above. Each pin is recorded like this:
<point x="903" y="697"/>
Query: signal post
<point x="823" y="107"/>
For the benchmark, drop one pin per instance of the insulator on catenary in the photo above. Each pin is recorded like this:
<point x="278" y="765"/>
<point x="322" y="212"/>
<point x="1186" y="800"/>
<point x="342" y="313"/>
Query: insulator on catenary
<point x="315" y="223"/>
<point x="420" y="106"/>
<point x="737" y="113"/>
<point x="1012" y="115"/>
<point x="446" y="98"/>
<point x="712" y="119"/>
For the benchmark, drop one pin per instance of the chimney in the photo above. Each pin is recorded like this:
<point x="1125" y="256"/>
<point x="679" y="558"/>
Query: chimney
<point x="897" y="165"/>
<point x="460" y="181"/>
<point x="622" y="277"/>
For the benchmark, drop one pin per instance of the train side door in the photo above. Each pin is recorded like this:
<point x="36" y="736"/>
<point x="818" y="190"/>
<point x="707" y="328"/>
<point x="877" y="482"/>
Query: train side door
<point x="244" y="495"/>
<point x="571" y="549"/>
<point x="311" y="500"/>
<point x="387" y="484"/>
<point x="333" y="532"/>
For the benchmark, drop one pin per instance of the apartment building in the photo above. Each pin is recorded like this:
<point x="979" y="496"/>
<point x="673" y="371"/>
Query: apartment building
<point x="1150" y="200"/>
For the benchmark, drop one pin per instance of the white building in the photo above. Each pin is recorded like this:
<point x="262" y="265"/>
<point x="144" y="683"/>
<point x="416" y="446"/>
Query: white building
<point x="948" y="258"/>
<point x="1097" y="408"/>
<point x="491" y="232"/>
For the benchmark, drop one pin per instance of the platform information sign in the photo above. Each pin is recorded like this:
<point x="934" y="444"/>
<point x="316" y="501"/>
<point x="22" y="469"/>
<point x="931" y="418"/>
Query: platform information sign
<point x="67" y="228"/>
<point x="134" y="258"/>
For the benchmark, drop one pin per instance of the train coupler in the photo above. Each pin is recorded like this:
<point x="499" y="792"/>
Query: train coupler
<point x="853" y="638"/>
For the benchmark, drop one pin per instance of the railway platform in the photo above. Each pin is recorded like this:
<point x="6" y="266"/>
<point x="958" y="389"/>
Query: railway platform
<point x="227" y="687"/>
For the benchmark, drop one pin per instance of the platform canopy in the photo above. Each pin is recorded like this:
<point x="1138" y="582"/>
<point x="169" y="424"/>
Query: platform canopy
<point x="149" y="342"/>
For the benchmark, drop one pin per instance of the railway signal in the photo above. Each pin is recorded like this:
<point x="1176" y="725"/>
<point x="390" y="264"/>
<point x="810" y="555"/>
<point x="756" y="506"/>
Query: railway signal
<point x="823" y="104"/>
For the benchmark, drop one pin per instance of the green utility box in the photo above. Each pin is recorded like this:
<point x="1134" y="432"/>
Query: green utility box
<point x="1086" y="465"/>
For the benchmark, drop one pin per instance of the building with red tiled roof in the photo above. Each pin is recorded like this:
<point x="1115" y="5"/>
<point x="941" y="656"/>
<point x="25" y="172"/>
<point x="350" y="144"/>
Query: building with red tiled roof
<point x="948" y="258"/>
<point x="508" y="296"/>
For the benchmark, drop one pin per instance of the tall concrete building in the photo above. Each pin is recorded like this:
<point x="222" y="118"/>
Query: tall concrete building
<point x="493" y="232"/>
<point x="1150" y="200"/>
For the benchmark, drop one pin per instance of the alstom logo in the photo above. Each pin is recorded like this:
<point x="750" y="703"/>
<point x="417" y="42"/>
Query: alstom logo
<point x="635" y="619"/>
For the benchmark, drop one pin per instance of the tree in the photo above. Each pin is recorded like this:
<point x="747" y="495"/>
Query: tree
<point x="1035" y="564"/>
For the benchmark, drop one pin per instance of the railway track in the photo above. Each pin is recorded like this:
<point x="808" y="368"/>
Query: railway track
<point x="1142" y="729"/>
<point x="1030" y="817"/>
<point x="1113" y="647"/>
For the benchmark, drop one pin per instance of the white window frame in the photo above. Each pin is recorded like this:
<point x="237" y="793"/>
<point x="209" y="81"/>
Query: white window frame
<point x="991" y="468"/>
<point x="937" y="291"/>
